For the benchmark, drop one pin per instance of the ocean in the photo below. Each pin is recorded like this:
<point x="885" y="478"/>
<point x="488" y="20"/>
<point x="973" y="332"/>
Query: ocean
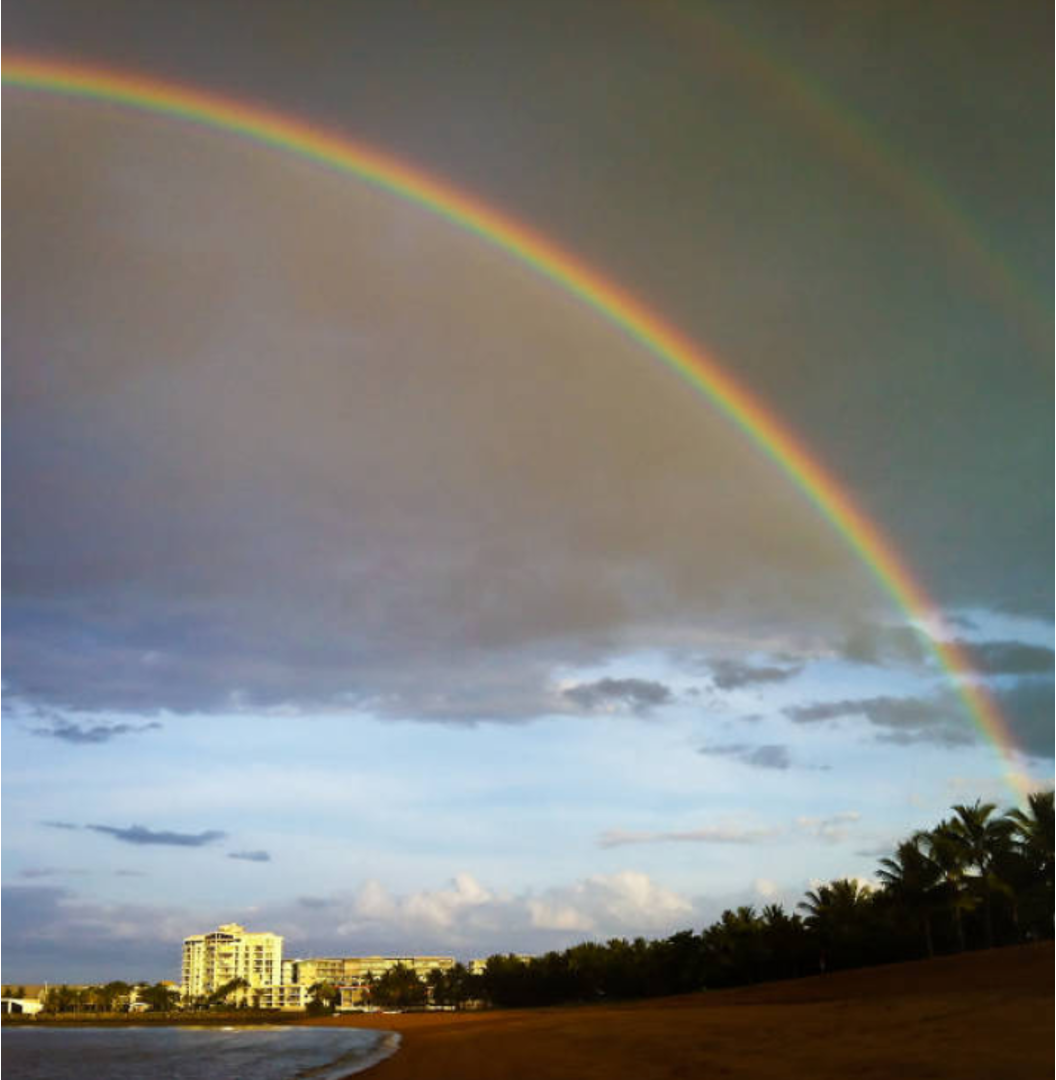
<point x="191" y="1053"/>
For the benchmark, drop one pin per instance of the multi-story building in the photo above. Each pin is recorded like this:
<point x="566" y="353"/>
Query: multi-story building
<point x="286" y="996"/>
<point x="348" y="973"/>
<point x="229" y="952"/>
<point x="212" y="960"/>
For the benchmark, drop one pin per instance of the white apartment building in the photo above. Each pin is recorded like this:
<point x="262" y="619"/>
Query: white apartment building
<point x="287" y="996"/>
<point x="348" y="973"/>
<point x="229" y="952"/>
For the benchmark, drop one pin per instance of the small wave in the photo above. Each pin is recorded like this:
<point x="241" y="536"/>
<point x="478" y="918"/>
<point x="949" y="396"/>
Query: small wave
<point x="354" y="1061"/>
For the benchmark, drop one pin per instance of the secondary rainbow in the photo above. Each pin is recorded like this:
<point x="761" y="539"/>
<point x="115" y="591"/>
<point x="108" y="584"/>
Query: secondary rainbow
<point x="569" y="273"/>
<point x="848" y="134"/>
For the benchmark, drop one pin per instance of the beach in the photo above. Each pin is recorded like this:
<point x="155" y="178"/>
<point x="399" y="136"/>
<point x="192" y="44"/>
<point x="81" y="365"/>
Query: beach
<point x="977" y="1016"/>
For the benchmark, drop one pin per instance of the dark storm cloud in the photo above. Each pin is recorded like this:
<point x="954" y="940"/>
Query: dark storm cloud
<point x="1027" y="705"/>
<point x="732" y="675"/>
<point x="882" y="645"/>
<point x="766" y="756"/>
<point x="871" y="643"/>
<point x="250" y="856"/>
<point x="1009" y="657"/>
<point x="139" y="834"/>
<point x="639" y="695"/>
<point x="901" y="720"/>
<point x="297" y="536"/>
<point x="443" y="501"/>
<point x="82" y="734"/>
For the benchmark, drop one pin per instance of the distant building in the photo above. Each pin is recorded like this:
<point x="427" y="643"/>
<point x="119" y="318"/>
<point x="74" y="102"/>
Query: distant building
<point x="284" y="996"/>
<point x="349" y="973"/>
<point x="229" y="952"/>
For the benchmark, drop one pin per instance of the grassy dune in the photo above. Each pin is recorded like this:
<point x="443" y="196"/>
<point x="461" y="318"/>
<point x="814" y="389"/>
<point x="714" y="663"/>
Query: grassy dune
<point x="978" y="1016"/>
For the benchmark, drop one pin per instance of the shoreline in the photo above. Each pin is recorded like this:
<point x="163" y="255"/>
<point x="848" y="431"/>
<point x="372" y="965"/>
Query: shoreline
<point x="173" y="1019"/>
<point x="272" y="1052"/>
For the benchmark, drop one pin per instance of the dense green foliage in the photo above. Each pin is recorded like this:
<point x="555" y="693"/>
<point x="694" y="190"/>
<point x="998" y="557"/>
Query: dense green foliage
<point x="977" y="879"/>
<point x="110" y="997"/>
<point x="398" y="987"/>
<point x="324" y="998"/>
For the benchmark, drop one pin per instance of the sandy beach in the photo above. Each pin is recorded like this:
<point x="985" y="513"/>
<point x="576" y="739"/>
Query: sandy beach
<point x="980" y="1016"/>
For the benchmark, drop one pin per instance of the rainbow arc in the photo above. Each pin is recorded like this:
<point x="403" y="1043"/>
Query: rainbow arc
<point x="691" y="362"/>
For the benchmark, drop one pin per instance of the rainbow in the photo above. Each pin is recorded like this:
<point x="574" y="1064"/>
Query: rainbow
<point x="608" y="299"/>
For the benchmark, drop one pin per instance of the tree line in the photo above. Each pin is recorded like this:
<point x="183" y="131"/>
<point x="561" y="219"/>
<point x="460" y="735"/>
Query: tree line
<point x="115" y="996"/>
<point x="979" y="878"/>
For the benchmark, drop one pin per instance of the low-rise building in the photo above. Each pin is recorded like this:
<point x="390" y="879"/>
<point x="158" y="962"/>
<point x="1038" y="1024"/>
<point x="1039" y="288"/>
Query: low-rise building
<point x="22" y="1006"/>
<point x="349" y="974"/>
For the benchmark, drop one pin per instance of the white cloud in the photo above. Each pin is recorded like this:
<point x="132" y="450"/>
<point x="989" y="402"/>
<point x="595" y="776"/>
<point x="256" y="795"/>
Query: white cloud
<point x="627" y="901"/>
<point x="546" y="915"/>
<point x="631" y="899"/>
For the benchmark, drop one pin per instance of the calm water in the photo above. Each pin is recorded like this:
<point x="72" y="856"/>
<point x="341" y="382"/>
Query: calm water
<point x="190" y="1053"/>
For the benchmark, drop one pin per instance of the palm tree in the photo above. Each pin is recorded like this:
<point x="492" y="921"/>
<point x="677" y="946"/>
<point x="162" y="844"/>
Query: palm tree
<point x="913" y="881"/>
<point x="324" y="996"/>
<point x="1036" y="828"/>
<point x="983" y="839"/>
<point x="943" y="849"/>
<point x="734" y="946"/>
<point x="222" y="993"/>
<point x="785" y="940"/>
<point x="834" y="913"/>
<point x="1030" y="868"/>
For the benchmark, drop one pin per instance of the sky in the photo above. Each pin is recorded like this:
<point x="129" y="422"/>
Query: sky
<point x="364" y="586"/>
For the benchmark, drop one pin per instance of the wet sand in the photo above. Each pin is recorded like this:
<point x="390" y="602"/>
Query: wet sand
<point x="983" y="1016"/>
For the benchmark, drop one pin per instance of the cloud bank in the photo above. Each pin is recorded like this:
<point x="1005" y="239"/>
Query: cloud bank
<point x="58" y="934"/>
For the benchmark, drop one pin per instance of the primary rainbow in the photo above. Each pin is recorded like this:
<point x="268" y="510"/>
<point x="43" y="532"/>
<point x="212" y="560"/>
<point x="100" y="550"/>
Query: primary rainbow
<point x="572" y="275"/>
